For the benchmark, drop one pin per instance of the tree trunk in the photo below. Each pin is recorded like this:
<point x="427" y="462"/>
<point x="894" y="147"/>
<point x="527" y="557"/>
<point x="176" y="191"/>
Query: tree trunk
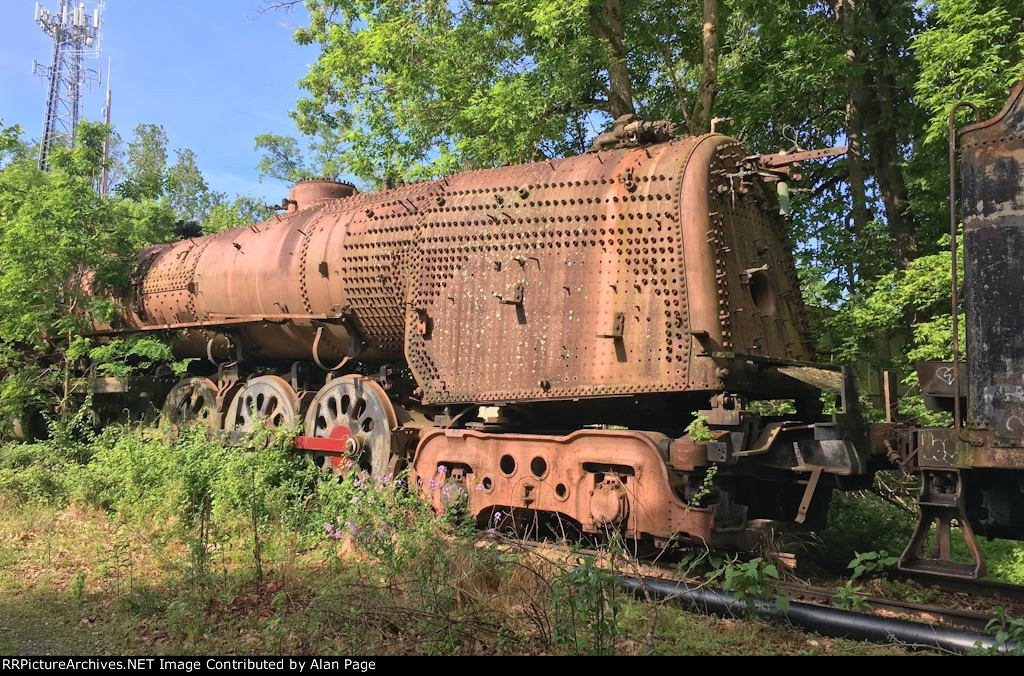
<point x="885" y="143"/>
<point x="860" y="215"/>
<point x="893" y="187"/>
<point x="606" y="22"/>
<point x="700" y="118"/>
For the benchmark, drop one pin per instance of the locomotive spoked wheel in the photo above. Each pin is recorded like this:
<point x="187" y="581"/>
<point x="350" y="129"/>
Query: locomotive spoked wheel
<point x="269" y="399"/>
<point x="357" y="409"/>
<point x="192" y="401"/>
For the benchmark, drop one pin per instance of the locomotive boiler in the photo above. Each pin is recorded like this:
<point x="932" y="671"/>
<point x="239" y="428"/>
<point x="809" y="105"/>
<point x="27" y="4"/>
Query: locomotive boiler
<point x="579" y="340"/>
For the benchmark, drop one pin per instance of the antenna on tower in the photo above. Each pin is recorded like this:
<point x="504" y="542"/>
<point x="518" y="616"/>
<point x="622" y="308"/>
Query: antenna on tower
<point x="76" y="38"/>
<point x="105" y="177"/>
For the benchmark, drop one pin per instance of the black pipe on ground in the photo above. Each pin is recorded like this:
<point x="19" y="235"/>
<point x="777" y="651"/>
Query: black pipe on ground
<point x="819" y="619"/>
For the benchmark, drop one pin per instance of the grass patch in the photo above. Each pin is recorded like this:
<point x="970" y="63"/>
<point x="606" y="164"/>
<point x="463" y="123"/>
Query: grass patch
<point x="82" y="583"/>
<point x="160" y="548"/>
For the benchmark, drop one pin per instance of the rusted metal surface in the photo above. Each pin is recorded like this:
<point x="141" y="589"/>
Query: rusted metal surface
<point x="945" y="448"/>
<point x="606" y="480"/>
<point x="219" y="321"/>
<point x="588" y="276"/>
<point x="993" y="218"/>
<point x="786" y="159"/>
<point x="270" y="284"/>
<point x="305" y="194"/>
<point x="266" y="400"/>
<point x="953" y="270"/>
<point x="193" y="401"/>
<point x="583" y="277"/>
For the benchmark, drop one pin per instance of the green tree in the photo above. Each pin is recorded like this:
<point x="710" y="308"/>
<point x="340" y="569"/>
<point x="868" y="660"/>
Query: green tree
<point x="56" y="237"/>
<point x="11" y="145"/>
<point x="415" y="89"/>
<point x="973" y="49"/>
<point x="145" y="163"/>
<point x="282" y="158"/>
<point x="186" y="191"/>
<point x="244" y="210"/>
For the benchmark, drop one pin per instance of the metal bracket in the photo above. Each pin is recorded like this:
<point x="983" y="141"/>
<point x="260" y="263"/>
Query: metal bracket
<point x="316" y="353"/>
<point x="618" y="325"/>
<point x="942" y="502"/>
<point x="515" y="299"/>
<point x="805" y="502"/>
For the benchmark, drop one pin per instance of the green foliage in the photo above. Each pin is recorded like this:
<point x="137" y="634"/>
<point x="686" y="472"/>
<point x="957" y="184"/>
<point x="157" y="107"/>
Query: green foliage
<point x="410" y="90"/>
<point x="57" y="236"/>
<point x="122" y="357"/>
<point x="191" y="479"/>
<point x="872" y="564"/>
<point x="186" y="191"/>
<point x="863" y="330"/>
<point x="752" y="581"/>
<point x="281" y="157"/>
<point x="1009" y="635"/>
<point x="862" y="517"/>
<point x="145" y="164"/>
<point x="586" y="602"/>
<point x="142" y="173"/>
<point x="240" y="213"/>
<point x="1005" y="560"/>
<point x="850" y="597"/>
<point x="11" y="145"/>
<point x="699" y="431"/>
<point x="34" y="473"/>
<point x="973" y="49"/>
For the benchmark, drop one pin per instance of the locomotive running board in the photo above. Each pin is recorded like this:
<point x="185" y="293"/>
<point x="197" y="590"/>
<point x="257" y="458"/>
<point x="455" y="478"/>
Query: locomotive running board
<point x="942" y="503"/>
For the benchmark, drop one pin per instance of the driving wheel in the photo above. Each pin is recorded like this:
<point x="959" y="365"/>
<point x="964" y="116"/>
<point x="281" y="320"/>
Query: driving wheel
<point x="267" y="399"/>
<point x="358" y="410"/>
<point x="192" y="401"/>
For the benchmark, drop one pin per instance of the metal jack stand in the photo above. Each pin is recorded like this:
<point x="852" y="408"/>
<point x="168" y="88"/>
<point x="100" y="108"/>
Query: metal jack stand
<point x="942" y="503"/>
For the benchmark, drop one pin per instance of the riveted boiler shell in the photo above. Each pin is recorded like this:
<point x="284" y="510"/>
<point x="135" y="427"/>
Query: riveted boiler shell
<point x="347" y="256"/>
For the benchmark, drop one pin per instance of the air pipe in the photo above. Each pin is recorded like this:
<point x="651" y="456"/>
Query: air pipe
<point x="819" y="619"/>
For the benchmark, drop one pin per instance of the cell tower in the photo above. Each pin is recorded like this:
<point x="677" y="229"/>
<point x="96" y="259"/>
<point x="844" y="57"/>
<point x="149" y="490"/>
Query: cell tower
<point x="76" y="38"/>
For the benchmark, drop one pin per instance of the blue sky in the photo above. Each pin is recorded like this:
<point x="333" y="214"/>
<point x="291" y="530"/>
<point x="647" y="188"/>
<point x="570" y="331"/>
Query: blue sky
<point x="214" y="73"/>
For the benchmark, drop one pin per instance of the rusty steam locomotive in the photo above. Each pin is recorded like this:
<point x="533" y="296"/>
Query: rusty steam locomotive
<point x="545" y="334"/>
